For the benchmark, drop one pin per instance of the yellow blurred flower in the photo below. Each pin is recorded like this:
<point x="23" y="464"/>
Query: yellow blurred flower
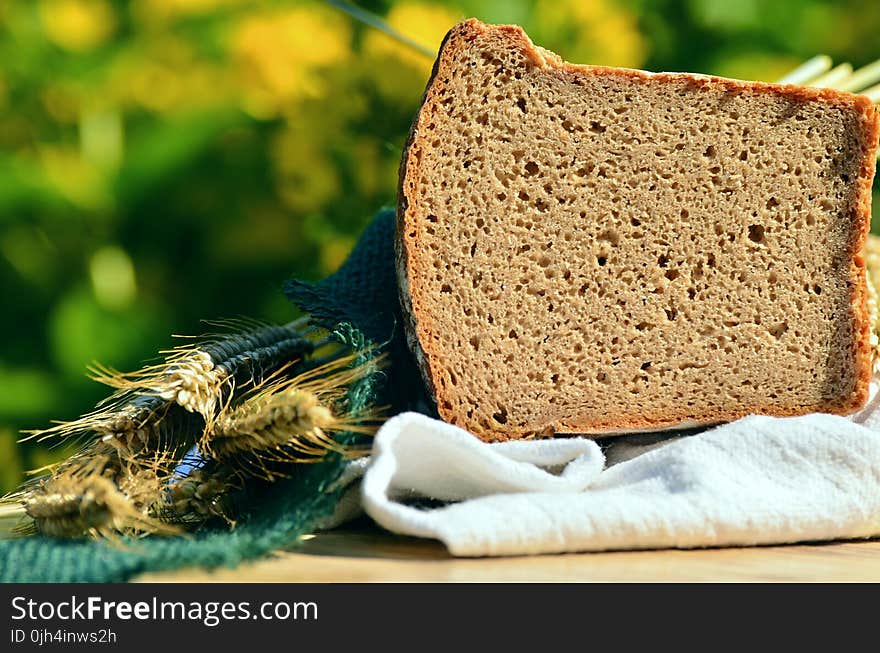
<point x="398" y="71"/>
<point x="589" y="31"/>
<point x="265" y="235"/>
<point x="307" y="178"/>
<point x="61" y="102"/>
<point x="165" y="87"/>
<point x="149" y="10"/>
<point x="334" y="252"/>
<point x="154" y="85"/>
<point x="424" y="23"/>
<point x="369" y="169"/>
<point x="166" y="73"/>
<point x="81" y="182"/>
<point x="77" y="25"/>
<point x="283" y="54"/>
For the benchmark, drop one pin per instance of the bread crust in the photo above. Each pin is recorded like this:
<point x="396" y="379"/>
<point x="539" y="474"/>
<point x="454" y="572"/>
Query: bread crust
<point x="416" y="322"/>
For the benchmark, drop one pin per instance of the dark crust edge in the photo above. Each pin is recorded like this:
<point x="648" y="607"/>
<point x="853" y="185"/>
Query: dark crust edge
<point x="862" y="352"/>
<point x="410" y="324"/>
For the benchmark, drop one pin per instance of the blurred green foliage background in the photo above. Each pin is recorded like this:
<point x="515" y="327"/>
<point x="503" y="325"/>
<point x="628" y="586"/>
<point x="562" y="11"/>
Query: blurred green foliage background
<point x="167" y="161"/>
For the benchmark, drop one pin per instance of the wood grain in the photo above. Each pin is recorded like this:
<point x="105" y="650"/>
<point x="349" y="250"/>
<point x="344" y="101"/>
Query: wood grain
<point x="370" y="555"/>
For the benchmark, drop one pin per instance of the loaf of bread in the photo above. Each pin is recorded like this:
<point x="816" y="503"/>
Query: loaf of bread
<point x="584" y="249"/>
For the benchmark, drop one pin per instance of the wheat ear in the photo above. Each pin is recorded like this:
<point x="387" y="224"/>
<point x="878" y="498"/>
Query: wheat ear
<point x="200" y="376"/>
<point x="291" y="421"/>
<point x="204" y="494"/>
<point x="818" y="72"/>
<point x="84" y="501"/>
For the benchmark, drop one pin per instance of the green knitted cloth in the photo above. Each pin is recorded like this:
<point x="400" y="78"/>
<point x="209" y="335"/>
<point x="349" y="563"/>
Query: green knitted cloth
<point x="359" y="305"/>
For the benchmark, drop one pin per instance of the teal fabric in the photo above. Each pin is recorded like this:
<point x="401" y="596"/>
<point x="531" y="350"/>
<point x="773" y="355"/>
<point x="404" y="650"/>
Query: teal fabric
<point x="359" y="305"/>
<point x="363" y="293"/>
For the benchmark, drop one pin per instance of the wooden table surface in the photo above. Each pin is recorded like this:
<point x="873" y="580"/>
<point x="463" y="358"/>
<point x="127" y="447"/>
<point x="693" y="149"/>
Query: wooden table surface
<point x="367" y="554"/>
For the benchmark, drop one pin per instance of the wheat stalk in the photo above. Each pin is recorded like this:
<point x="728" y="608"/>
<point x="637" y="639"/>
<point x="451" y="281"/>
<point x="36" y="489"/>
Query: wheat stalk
<point x="202" y="495"/>
<point x="198" y="377"/>
<point x="818" y="73"/>
<point x="84" y="501"/>
<point x="118" y="483"/>
<point x="290" y="421"/>
<point x="128" y="479"/>
<point x="370" y="19"/>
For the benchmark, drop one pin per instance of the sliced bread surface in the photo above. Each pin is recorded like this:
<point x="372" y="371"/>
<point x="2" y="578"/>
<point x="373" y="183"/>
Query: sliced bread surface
<point x="586" y="249"/>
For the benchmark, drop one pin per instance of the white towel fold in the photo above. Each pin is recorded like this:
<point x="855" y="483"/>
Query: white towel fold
<point x="759" y="480"/>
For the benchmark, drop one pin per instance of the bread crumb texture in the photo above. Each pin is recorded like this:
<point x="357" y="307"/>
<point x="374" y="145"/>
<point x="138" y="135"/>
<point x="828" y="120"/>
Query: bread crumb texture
<point x="589" y="250"/>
